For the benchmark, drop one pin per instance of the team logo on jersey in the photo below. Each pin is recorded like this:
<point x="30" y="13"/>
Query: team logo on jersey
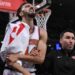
<point x="15" y="32"/>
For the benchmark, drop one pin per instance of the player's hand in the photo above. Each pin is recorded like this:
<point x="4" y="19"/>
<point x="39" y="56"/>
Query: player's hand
<point x="34" y="52"/>
<point x="12" y="57"/>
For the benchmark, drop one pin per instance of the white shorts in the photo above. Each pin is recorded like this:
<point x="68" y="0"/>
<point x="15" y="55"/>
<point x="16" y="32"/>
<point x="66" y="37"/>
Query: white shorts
<point x="11" y="72"/>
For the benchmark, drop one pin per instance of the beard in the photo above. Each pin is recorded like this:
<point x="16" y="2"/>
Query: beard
<point x="31" y="15"/>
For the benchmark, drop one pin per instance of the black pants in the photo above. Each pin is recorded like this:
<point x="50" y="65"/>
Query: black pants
<point x="2" y="64"/>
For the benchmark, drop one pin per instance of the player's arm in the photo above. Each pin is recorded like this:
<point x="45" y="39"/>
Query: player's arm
<point x="19" y="68"/>
<point x="41" y="50"/>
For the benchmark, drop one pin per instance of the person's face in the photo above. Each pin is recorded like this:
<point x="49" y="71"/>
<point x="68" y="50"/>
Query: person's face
<point x="68" y="41"/>
<point x="28" y="9"/>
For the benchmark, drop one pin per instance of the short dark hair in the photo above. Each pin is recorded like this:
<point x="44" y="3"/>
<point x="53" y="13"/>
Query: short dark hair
<point x="19" y="10"/>
<point x="67" y="30"/>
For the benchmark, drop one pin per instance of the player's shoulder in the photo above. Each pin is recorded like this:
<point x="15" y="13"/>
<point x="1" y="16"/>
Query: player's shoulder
<point x="43" y="34"/>
<point x="43" y="31"/>
<point x="14" y="22"/>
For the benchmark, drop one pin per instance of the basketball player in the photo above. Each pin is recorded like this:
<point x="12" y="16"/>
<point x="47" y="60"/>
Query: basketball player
<point x="15" y="41"/>
<point x="35" y="49"/>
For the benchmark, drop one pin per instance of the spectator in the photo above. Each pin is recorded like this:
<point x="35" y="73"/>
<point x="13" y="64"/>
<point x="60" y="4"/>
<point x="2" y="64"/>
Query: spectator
<point x="62" y="62"/>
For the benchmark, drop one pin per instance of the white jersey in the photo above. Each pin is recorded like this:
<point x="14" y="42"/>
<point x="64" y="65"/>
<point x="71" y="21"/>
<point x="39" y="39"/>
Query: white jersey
<point x="33" y="42"/>
<point x="16" y="39"/>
